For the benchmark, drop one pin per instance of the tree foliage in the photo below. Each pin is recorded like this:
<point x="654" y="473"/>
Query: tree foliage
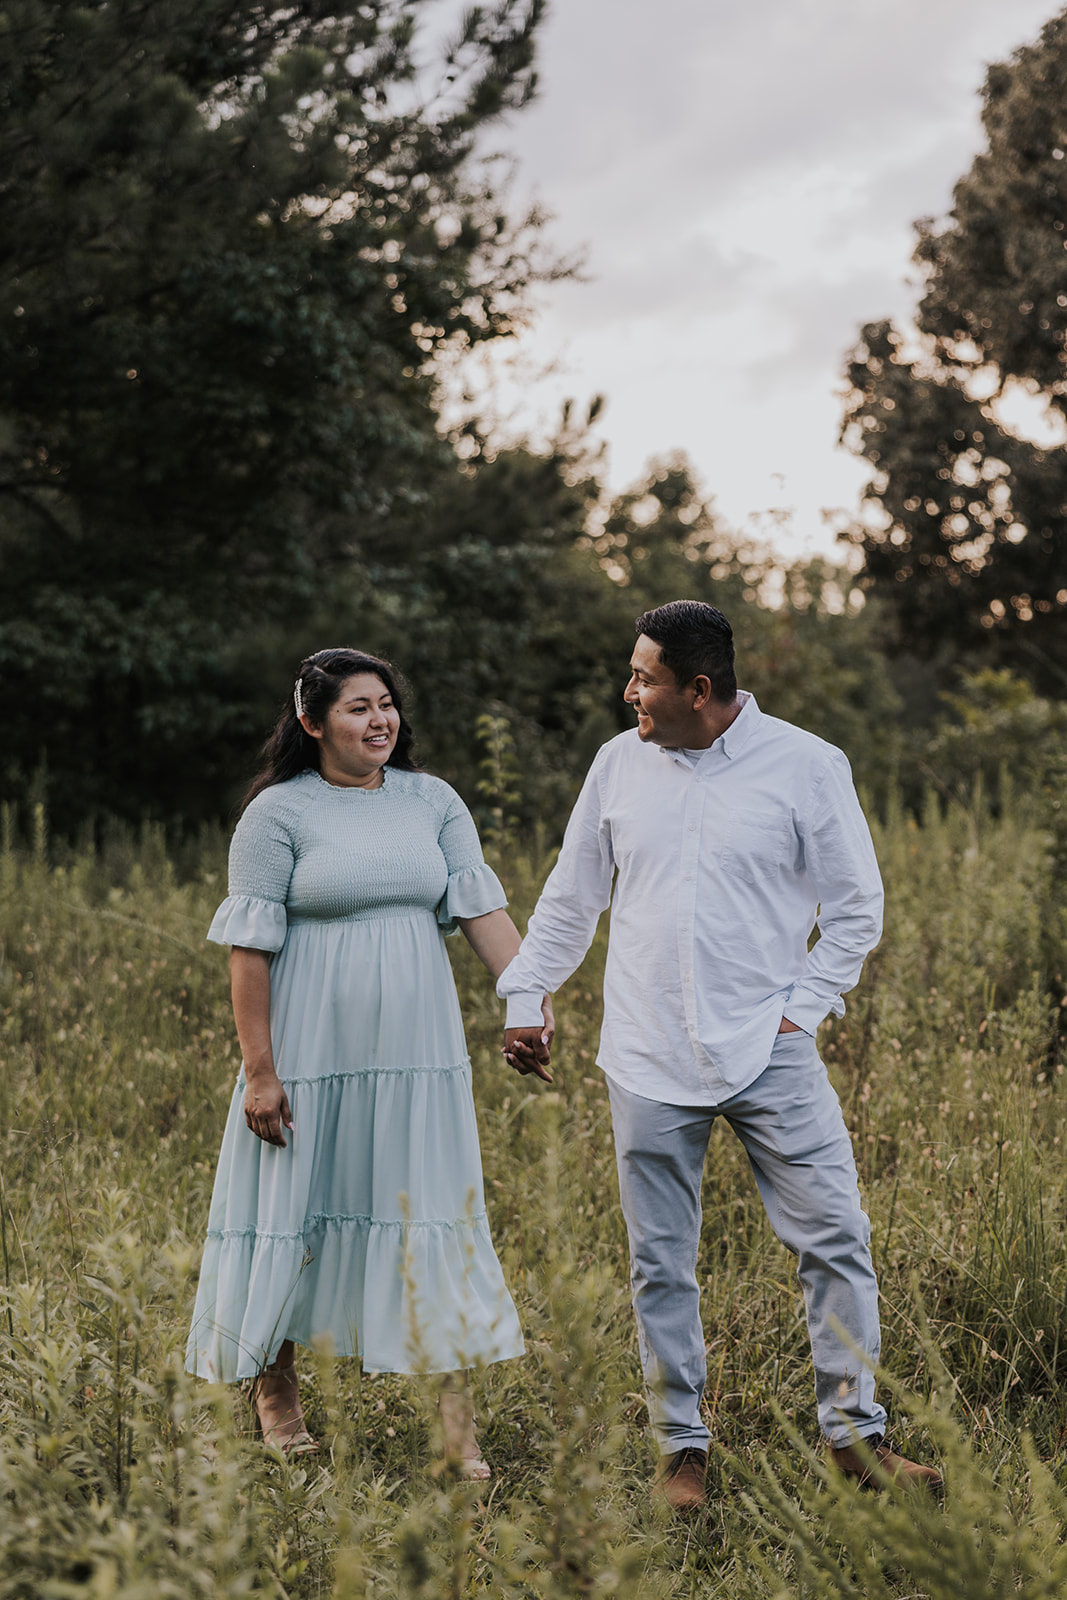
<point x="233" y="242"/>
<point x="968" y="537"/>
<point x="232" y="237"/>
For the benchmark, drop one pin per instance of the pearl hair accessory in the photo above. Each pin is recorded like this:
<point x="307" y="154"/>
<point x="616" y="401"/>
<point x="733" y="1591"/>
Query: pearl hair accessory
<point x="298" y="698"/>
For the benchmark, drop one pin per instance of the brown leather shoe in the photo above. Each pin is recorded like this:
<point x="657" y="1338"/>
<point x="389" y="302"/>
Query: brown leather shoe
<point x="873" y="1465"/>
<point x="680" y="1479"/>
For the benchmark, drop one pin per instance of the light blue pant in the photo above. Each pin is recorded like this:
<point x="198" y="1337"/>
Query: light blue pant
<point x="791" y="1126"/>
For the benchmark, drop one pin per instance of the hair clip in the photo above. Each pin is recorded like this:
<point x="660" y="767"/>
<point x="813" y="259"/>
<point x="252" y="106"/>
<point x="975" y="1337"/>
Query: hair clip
<point x="298" y="698"/>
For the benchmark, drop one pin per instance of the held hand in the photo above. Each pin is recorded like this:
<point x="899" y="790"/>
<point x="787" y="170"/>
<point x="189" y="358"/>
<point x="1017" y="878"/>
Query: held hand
<point x="550" y="1020"/>
<point x="267" y="1109"/>
<point x="785" y="1026"/>
<point x="527" y="1049"/>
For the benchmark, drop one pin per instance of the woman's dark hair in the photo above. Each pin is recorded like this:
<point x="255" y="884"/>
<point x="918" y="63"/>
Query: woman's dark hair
<point x="693" y="639"/>
<point x="290" y="751"/>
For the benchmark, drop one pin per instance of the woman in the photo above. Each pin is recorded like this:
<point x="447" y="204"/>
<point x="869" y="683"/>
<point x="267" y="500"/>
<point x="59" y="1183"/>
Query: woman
<point x="348" y="1201"/>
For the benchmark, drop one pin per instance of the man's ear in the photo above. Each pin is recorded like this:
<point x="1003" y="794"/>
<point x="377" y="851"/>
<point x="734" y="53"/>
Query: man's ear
<point x="701" y="691"/>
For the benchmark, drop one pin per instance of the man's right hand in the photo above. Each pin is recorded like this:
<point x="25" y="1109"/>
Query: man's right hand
<point x="527" y="1050"/>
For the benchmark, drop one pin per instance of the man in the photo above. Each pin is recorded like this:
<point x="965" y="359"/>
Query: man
<point x="726" y="831"/>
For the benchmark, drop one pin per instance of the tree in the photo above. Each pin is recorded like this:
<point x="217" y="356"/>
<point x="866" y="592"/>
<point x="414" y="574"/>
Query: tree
<point x="968" y="540"/>
<point x="486" y="594"/>
<point x="803" y="648"/>
<point x="232" y="238"/>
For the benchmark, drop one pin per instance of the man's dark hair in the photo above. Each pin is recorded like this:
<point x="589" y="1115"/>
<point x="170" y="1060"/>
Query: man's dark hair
<point x="693" y="639"/>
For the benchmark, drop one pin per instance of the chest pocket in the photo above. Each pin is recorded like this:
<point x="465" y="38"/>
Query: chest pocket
<point x="756" y="845"/>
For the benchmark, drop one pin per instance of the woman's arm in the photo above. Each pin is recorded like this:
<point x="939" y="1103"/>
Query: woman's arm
<point x="495" y="940"/>
<point x="266" y="1102"/>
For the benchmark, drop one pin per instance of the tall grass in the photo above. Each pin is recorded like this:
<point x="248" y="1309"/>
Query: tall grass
<point x="121" y="1477"/>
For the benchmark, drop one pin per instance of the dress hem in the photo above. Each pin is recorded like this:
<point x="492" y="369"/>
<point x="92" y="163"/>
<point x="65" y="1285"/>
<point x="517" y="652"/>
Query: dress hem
<point x="368" y="1367"/>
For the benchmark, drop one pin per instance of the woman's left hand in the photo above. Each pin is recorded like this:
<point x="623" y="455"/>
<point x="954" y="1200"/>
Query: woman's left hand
<point x="550" y="1019"/>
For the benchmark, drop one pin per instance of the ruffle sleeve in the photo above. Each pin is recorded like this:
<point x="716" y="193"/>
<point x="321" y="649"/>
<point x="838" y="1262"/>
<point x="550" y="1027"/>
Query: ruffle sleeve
<point x="471" y="892"/>
<point x="251" y="923"/>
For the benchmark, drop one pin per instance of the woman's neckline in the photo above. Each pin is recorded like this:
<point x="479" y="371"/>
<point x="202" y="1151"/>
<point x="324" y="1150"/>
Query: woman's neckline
<point x="350" y="788"/>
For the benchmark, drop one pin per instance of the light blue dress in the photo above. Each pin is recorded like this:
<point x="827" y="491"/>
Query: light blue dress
<point x="369" y="1231"/>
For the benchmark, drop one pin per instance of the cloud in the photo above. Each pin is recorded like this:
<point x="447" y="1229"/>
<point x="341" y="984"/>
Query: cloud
<point x="744" y="178"/>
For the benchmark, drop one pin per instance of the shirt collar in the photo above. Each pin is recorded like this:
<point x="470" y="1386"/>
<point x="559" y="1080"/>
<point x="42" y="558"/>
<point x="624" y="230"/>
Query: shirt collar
<point x="737" y="735"/>
<point x="743" y="726"/>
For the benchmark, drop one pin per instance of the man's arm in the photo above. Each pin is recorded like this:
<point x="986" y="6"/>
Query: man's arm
<point x="561" y="928"/>
<point x="844" y="869"/>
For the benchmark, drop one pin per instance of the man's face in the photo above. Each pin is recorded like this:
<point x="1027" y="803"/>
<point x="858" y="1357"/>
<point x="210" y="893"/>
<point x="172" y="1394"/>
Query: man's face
<point x="665" y="712"/>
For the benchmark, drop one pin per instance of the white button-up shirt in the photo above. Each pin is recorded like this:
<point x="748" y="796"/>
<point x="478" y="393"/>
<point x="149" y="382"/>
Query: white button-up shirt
<point x="722" y="867"/>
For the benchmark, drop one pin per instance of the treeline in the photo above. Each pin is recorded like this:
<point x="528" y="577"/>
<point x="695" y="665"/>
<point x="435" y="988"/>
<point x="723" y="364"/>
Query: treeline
<point x="234" y="243"/>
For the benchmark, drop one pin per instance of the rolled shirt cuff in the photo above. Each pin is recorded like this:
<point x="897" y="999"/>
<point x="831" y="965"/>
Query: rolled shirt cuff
<point x="808" y="1009"/>
<point x="524" y="1011"/>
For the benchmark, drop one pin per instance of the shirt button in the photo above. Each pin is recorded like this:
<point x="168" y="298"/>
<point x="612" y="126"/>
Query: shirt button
<point x="692" y="827"/>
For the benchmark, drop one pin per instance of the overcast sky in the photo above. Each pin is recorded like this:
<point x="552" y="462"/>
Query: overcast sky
<point x="742" y="176"/>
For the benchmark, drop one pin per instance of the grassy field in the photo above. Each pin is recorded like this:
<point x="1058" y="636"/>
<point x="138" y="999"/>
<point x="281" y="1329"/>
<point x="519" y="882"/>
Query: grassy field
<point x="120" y="1477"/>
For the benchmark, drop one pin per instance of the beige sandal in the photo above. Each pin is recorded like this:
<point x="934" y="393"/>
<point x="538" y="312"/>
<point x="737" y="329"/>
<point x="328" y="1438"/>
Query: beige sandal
<point x="276" y="1399"/>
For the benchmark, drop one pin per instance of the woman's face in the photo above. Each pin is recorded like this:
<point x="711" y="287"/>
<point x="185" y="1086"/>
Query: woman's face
<point x="359" y="732"/>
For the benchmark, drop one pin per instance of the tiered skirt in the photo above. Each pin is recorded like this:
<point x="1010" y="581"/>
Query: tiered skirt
<point x="368" y="1234"/>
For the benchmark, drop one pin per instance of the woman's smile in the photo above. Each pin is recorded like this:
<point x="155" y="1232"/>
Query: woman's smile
<point x="359" y="733"/>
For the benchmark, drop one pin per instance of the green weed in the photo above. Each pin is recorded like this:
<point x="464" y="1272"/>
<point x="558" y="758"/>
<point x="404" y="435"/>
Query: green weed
<point x="122" y="1477"/>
